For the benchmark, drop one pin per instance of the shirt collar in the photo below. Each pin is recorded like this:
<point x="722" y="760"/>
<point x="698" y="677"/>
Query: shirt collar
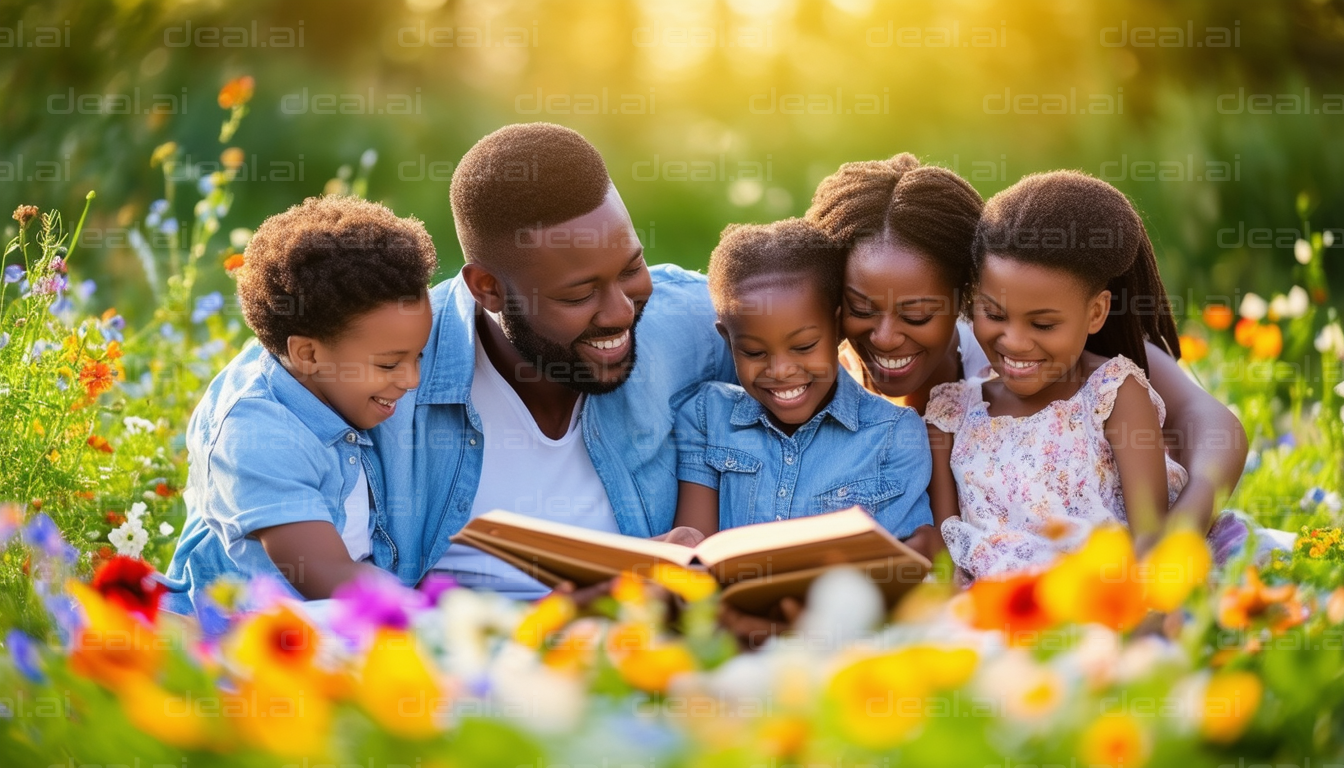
<point x="319" y="417"/>
<point x="844" y="406"/>
<point x="454" y="347"/>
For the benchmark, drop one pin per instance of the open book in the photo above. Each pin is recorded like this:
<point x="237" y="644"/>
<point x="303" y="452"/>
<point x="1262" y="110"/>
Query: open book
<point x="757" y="565"/>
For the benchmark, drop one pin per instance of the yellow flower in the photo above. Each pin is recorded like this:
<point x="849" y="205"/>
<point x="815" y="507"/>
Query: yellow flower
<point x="1179" y="563"/>
<point x="1267" y="342"/>
<point x="576" y="647"/>
<point x="1096" y="584"/>
<point x="1115" y="740"/>
<point x="397" y="688"/>
<point x="692" y="586"/>
<point x="162" y="153"/>
<point x="1193" y="349"/>
<point x="279" y="712"/>
<point x="652" y="669"/>
<point x="547" y="616"/>
<point x="169" y="718"/>
<point x="1230" y="701"/>
<point x="113" y="646"/>
<point x="879" y="699"/>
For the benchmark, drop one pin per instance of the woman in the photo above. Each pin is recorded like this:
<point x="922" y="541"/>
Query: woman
<point x="909" y="229"/>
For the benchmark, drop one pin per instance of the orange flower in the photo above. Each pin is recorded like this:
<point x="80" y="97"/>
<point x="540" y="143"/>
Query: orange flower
<point x="1193" y="349"/>
<point x="231" y="158"/>
<point x="233" y="263"/>
<point x="1218" y="317"/>
<point x="236" y="92"/>
<point x="1099" y="583"/>
<point x="114" y="517"/>
<point x="1230" y="701"/>
<point x="99" y="443"/>
<point x="1245" y="331"/>
<point x="1010" y="603"/>
<point x="113" y="645"/>
<point x="1267" y="342"/>
<point x="113" y="351"/>
<point x="165" y="490"/>
<point x="1278" y="608"/>
<point x="1115" y="740"/>
<point x="96" y="378"/>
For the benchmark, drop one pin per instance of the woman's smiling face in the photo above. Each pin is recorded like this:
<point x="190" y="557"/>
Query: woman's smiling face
<point x="899" y="315"/>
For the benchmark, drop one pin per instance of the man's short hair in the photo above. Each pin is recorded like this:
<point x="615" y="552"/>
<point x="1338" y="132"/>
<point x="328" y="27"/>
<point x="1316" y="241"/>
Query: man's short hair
<point x="314" y="268"/>
<point x="521" y="178"/>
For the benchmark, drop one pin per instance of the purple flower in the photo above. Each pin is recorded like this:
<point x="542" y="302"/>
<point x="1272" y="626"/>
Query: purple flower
<point x="207" y="305"/>
<point x="435" y="584"/>
<point x="66" y="612"/>
<point x="373" y="601"/>
<point x="85" y="289"/>
<point x="62" y="307"/>
<point x="112" y="329"/>
<point x="42" y="533"/>
<point x="58" y="264"/>
<point x="24" y="652"/>
<point x="14" y="273"/>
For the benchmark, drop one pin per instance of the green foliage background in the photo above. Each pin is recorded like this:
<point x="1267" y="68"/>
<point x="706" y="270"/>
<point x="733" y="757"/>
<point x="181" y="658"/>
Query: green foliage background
<point x="468" y="66"/>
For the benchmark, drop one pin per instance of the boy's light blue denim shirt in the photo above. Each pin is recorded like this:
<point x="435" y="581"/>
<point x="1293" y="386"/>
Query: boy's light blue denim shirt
<point x="858" y="449"/>
<point x="428" y="457"/>
<point x="262" y="451"/>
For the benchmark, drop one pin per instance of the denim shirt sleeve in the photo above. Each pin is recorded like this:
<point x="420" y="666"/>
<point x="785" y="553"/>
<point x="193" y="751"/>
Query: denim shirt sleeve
<point x="690" y="436"/>
<point x="907" y="457"/>
<point x="262" y="471"/>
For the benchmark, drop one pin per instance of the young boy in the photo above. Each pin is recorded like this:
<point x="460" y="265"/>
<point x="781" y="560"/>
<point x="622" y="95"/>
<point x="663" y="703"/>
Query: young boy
<point x="336" y="291"/>
<point x="799" y="437"/>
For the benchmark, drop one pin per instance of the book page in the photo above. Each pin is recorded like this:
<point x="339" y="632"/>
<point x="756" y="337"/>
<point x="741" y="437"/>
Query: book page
<point x="501" y="528"/>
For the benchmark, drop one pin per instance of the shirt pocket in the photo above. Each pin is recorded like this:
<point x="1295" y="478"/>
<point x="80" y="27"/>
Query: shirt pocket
<point x="870" y="494"/>
<point x="739" y="474"/>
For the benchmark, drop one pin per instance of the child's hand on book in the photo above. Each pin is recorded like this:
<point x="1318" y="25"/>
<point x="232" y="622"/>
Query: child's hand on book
<point x="752" y="631"/>
<point x="684" y="535"/>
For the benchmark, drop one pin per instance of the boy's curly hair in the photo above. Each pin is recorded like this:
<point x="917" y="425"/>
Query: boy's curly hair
<point x="789" y="250"/>
<point x="314" y="268"/>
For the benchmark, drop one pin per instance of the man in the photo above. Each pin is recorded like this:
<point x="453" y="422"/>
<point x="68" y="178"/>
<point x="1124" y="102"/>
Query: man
<point x="554" y="369"/>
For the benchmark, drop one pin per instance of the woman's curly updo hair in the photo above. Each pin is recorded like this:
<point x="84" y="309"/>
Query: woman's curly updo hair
<point x="787" y="251"/>
<point x="928" y="209"/>
<point x="1070" y="221"/>
<point x="314" y="268"/>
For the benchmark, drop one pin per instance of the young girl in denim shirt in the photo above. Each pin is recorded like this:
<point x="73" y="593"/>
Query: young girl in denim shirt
<point x="799" y="437"/>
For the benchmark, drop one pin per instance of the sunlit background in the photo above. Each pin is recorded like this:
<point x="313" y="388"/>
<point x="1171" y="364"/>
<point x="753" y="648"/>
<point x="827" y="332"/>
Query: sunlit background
<point x="1215" y="116"/>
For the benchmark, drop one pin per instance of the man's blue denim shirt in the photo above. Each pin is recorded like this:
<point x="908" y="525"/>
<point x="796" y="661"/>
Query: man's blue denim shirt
<point x="857" y="450"/>
<point x="428" y="457"/>
<point x="262" y="451"/>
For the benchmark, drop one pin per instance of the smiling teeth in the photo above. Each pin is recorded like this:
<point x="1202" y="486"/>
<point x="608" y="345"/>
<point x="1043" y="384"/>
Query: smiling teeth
<point x="615" y="343"/>
<point x="788" y="394"/>
<point x="893" y="363"/>
<point x="382" y="401"/>
<point x="1011" y="363"/>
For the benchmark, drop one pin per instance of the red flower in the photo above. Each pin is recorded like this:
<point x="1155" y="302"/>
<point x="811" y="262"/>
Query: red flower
<point x="129" y="582"/>
<point x="99" y="443"/>
<point x="165" y="490"/>
<point x="113" y="517"/>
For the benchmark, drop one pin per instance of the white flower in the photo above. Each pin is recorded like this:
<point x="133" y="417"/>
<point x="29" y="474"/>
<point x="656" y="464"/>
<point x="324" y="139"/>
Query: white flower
<point x="136" y="425"/>
<point x="1145" y="656"/>
<point x="166" y="529"/>
<point x="1331" y="340"/>
<point x="1302" y="251"/>
<point x="844" y="607"/>
<point x="1023" y="690"/>
<point x="1253" y="307"/>
<point x="239" y="237"/>
<point x="129" y="538"/>
<point x="1328" y="238"/>
<point x="137" y="511"/>
<point x="1297" y="303"/>
<point x="1339" y="389"/>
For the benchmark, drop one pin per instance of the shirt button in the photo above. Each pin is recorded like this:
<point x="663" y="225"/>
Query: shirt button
<point x="779" y="517"/>
<point x="472" y="441"/>
<point x="788" y="459"/>
<point x="352" y="459"/>
<point x="730" y="463"/>
<point x="350" y="437"/>
<point x="842" y="493"/>
<point x="783" y="493"/>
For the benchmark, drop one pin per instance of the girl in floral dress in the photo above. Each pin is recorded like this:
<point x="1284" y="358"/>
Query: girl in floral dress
<point x="1065" y="434"/>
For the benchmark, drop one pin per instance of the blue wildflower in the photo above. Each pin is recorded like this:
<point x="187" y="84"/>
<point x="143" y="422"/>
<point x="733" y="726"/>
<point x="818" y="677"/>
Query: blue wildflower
<point x="206" y="185"/>
<point x="14" y="273"/>
<point x="1287" y="440"/>
<point x="168" y="227"/>
<point x="170" y="332"/>
<point x="85" y="289"/>
<point x="62" y="307"/>
<point x="24" y="652"/>
<point x="156" y="211"/>
<point x="66" y="613"/>
<point x="42" y="533"/>
<point x="207" y="305"/>
<point x="1252" y="461"/>
<point x="112" y="329"/>
<point x="210" y="349"/>
<point x="4" y="340"/>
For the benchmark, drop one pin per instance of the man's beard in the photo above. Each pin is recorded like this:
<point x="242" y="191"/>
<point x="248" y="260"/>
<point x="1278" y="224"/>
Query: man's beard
<point x="561" y="364"/>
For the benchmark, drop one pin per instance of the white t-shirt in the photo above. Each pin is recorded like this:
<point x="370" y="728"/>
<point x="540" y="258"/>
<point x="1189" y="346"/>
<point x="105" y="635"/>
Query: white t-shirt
<point x="525" y="471"/>
<point x="356" y="532"/>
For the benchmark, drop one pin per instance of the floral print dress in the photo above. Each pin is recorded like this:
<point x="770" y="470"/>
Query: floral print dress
<point x="1030" y="488"/>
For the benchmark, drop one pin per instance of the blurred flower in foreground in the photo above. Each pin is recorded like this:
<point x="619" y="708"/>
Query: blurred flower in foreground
<point x="397" y="688"/>
<point x="1252" y="604"/>
<point x="1117" y="740"/>
<point x="1193" y="349"/>
<point x="1230" y="701"/>
<point x="372" y="602"/>
<point x="129" y="583"/>
<point x="1218" y="317"/>
<point x="236" y="92"/>
<point x="1253" y="307"/>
